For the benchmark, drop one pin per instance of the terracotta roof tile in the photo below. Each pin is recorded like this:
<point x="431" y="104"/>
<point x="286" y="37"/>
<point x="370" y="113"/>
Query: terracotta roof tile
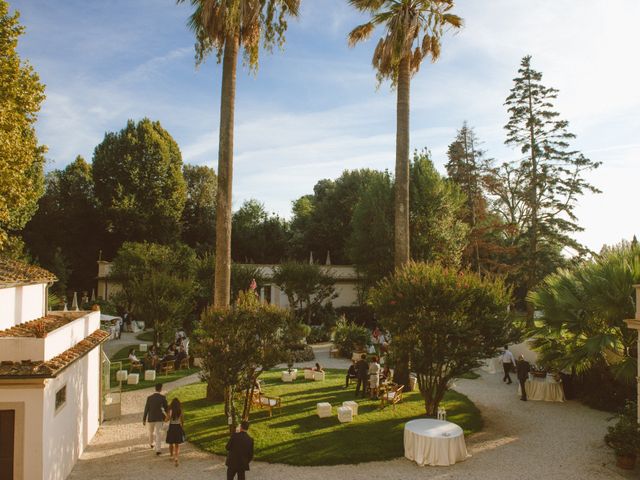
<point x="53" y="367"/>
<point x="14" y="272"/>
<point x="41" y="326"/>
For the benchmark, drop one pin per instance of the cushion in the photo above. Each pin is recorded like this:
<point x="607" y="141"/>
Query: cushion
<point x="143" y="347"/>
<point x="345" y="414"/>
<point x="121" y="375"/>
<point x="352" y="405"/>
<point x="268" y="401"/>
<point x="133" y="378"/>
<point x="149" y="375"/>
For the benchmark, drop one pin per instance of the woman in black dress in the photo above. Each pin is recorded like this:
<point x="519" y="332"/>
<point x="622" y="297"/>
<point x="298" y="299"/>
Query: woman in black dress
<point x="175" y="434"/>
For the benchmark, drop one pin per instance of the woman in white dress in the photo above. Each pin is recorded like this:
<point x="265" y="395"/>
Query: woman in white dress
<point x="374" y="377"/>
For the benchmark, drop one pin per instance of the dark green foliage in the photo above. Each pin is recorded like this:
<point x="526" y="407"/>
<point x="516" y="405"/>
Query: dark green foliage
<point x="139" y="184"/>
<point x="349" y="337"/>
<point x="199" y="214"/>
<point x="256" y="236"/>
<point x="319" y="334"/>
<point x="444" y="320"/>
<point x="624" y="436"/>
<point x="306" y="286"/>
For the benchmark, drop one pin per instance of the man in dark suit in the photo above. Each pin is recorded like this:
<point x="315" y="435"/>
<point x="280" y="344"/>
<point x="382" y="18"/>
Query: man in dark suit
<point x="240" y="448"/>
<point x="523" y="367"/>
<point x="362" y="370"/>
<point x="155" y="411"/>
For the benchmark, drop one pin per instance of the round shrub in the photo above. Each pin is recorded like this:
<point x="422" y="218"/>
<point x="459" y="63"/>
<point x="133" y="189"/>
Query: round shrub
<point x="350" y="337"/>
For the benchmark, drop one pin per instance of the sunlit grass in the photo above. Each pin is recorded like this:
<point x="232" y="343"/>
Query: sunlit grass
<point x="295" y="435"/>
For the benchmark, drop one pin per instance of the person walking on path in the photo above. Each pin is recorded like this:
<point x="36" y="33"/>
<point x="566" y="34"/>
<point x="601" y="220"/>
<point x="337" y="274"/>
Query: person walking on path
<point x="522" y="369"/>
<point x="362" y="369"/>
<point x="240" y="453"/>
<point x="507" y="362"/>
<point x="175" y="433"/>
<point x="155" y="411"/>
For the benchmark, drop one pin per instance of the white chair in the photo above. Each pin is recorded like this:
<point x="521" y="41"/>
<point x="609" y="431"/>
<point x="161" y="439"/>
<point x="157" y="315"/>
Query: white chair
<point x="287" y="376"/>
<point x="318" y="376"/>
<point x="345" y="414"/>
<point x="133" y="379"/>
<point x="149" y="375"/>
<point x="324" y="409"/>
<point x="143" y="347"/>
<point x="308" y="374"/>
<point x="121" y="375"/>
<point x="352" y="405"/>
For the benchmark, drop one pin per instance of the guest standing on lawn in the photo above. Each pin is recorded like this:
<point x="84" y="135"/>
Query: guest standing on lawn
<point x="240" y="453"/>
<point x="362" y="369"/>
<point x="155" y="411"/>
<point x="175" y="433"/>
<point x="523" y="367"/>
<point x="374" y="377"/>
<point x="507" y="362"/>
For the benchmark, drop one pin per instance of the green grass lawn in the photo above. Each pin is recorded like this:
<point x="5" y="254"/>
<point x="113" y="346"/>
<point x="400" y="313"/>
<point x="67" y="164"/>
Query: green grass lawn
<point x="123" y="354"/>
<point x="146" y="336"/>
<point x="296" y="436"/>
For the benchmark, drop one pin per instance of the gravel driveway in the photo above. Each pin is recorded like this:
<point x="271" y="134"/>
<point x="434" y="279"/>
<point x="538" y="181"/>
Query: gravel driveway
<point x="521" y="440"/>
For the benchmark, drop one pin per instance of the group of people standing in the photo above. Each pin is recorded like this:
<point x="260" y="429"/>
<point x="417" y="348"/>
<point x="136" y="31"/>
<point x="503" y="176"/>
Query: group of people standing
<point x="367" y="375"/>
<point x="522" y="368"/>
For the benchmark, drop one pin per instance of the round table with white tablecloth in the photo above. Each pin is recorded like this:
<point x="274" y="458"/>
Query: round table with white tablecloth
<point x="545" y="389"/>
<point x="434" y="442"/>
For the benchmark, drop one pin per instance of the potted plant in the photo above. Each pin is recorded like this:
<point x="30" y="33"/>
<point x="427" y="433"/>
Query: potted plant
<point x="624" y="437"/>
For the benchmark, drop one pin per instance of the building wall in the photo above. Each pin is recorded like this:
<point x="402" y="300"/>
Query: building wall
<point x="69" y="335"/>
<point x="21" y="304"/>
<point x="29" y="397"/>
<point x="68" y="431"/>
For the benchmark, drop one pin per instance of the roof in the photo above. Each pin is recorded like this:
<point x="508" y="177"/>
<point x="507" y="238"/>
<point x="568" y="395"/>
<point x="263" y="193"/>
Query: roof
<point x="14" y="272"/>
<point x="41" y="326"/>
<point x="53" y="367"/>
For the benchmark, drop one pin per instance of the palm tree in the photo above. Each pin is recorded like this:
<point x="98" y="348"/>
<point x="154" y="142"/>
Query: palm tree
<point x="226" y="26"/>
<point x="413" y="30"/>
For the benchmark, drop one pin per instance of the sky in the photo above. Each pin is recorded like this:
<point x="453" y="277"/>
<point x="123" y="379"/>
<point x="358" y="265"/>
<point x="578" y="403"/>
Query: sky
<point x="314" y="108"/>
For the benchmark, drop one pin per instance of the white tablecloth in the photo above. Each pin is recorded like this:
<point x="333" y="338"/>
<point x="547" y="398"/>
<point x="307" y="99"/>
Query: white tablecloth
<point x="434" y="442"/>
<point x="541" y="389"/>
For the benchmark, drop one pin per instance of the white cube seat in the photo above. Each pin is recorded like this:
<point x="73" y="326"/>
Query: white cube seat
<point x="390" y="395"/>
<point x="318" y="376"/>
<point x="308" y="374"/>
<point x="287" y="376"/>
<point x="269" y="402"/>
<point x="143" y="347"/>
<point x="324" y="409"/>
<point x="121" y="375"/>
<point x="345" y="414"/>
<point x="150" y="375"/>
<point x="352" y="405"/>
<point x="133" y="379"/>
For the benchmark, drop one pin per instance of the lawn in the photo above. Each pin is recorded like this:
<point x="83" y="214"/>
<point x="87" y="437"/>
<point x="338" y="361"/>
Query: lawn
<point x="122" y="355"/>
<point x="296" y="436"/>
<point x="146" y="336"/>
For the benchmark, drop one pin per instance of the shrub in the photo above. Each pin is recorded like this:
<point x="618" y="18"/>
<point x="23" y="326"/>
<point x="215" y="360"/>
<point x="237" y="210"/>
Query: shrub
<point x="300" y="353"/>
<point x="349" y="337"/>
<point x="319" y="334"/>
<point x="358" y="314"/>
<point x="624" y="436"/>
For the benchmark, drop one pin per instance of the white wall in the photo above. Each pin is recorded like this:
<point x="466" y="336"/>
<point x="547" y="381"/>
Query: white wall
<point x="21" y="304"/>
<point x="33" y="409"/>
<point x="70" y="334"/>
<point x="67" y="432"/>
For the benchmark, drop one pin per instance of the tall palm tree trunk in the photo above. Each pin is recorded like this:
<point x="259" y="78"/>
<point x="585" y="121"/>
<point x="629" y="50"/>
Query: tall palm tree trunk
<point x="401" y="239"/>
<point x="401" y="242"/>
<point x="222" y="285"/>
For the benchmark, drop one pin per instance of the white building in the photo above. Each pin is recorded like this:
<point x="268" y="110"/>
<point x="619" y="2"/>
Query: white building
<point x="345" y="276"/>
<point x="50" y="381"/>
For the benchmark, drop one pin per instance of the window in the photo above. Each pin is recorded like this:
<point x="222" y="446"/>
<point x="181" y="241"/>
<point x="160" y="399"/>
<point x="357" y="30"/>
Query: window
<point x="61" y="397"/>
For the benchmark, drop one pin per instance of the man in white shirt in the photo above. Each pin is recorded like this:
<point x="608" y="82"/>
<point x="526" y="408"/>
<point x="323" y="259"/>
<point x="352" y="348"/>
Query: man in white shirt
<point x="507" y="361"/>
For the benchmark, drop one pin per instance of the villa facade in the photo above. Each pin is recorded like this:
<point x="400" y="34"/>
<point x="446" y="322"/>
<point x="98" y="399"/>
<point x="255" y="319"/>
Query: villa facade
<point x="50" y="378"/>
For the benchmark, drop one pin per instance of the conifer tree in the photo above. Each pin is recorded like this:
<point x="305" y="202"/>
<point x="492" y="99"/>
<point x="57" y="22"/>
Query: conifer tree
<point x="552" y="172"/>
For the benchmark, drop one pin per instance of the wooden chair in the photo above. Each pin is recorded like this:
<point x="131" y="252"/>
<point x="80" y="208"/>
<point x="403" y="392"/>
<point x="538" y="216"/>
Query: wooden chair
<point x="184" y="364"/>
<point x="334" y="352"/>
<point x="392" y="395"/>
<point x="167" y="367"/>
<point x="261" y="400"/>
<point x="136" y="366"/>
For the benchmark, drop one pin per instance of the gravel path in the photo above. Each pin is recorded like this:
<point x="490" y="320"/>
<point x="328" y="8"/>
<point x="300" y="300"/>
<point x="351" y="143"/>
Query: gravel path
<point x="532" y="440"/>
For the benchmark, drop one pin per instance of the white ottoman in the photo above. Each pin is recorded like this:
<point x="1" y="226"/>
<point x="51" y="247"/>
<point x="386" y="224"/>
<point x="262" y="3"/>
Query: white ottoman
<point x="319" y="376"/>
<point x="352" y="405"/>
<point x="150" y="375"/>
<point x="143" y="347"/>
<point x="308" y="374"/>
<point x="324" y="409"/>
<point x="121" y="375"/>
<point x="287" y="376"/>
<point x="133" y="379"/>
<point x="345" y="414"/>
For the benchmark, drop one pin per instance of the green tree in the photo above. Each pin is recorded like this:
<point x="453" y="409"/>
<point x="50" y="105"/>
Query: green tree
<point x="225" y="26"/>
<point x="412" y="31"/>
<point x="257" y="236"/>
<point x="199" y="214"/>
<point x="139" y="184"/>
<point x="21" y="168"/>
<point x="553" y="173"/>
<point x="445" y="320"/>
<point x="306" y="286"/>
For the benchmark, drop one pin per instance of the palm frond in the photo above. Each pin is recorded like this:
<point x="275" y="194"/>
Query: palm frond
<point x="360" y="33"/>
